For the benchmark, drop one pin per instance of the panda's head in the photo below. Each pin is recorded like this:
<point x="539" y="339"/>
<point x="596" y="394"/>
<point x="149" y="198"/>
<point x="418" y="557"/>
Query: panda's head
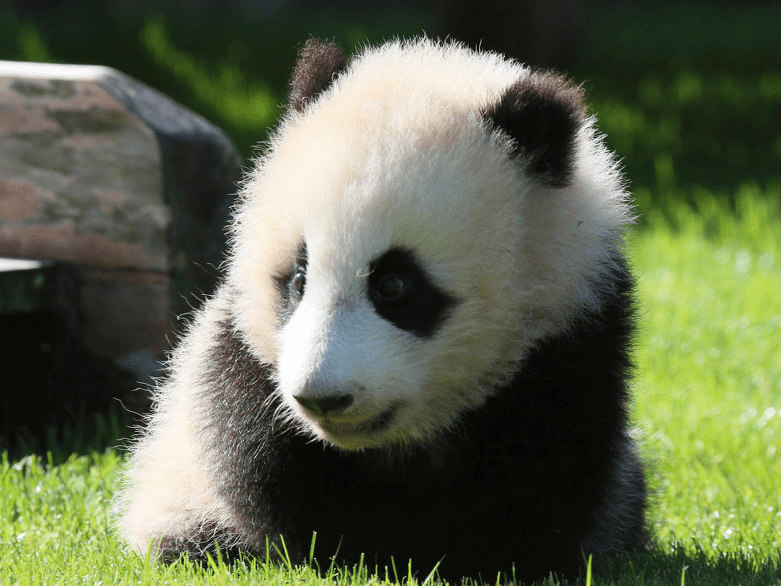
<point x="423" y="216"/>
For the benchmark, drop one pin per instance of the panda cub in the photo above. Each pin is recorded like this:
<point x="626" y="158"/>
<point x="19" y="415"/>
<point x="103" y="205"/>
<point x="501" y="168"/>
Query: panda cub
<point x="420" y="349"/>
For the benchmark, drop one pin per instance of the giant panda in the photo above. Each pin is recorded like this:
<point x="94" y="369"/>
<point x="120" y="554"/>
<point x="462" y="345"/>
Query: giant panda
<point x="421" y="347"/>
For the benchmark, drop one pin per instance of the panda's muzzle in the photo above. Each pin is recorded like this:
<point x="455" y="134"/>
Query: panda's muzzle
<point x="331" y="415"/>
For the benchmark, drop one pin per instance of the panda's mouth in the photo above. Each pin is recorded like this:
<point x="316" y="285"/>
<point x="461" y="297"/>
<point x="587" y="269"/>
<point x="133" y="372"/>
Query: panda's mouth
<point x="370" y="426"/>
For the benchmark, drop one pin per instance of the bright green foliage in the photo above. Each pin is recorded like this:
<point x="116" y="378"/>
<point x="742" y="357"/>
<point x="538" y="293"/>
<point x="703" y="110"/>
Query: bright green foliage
<point x="709" y="379"/>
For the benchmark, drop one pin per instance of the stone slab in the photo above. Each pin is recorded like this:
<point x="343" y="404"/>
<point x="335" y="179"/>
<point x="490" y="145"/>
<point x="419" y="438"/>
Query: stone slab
<point x="131" y="189"/>
<point x="81" y="178"/>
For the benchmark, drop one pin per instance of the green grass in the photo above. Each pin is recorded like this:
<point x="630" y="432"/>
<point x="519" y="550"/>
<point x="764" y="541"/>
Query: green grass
<point x="690" y="98"/>
<point x="709" y="380"/>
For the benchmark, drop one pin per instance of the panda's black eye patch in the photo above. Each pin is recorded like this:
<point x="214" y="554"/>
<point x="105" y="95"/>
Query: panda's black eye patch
<point x="291" y="285"/>
<point x="404" y="294"/>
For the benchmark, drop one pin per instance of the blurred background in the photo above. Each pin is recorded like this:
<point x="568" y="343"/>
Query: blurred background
<point x="688" y="93"/>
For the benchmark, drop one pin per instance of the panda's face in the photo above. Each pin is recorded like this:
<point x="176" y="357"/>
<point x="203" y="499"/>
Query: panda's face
<point x="392" y="301"/>
<point x="411" y="233"/>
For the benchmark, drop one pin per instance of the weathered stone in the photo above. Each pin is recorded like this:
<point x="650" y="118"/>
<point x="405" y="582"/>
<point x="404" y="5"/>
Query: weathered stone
<point x="81" y="178"/>
<point x="105" y="173"/>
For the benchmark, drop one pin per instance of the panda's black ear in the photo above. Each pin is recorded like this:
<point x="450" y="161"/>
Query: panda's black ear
<point x="318" y="64"/>
<point x="542" y="114"/>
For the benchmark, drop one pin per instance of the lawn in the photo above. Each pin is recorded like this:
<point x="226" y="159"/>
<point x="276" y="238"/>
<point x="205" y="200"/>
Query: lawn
<point x="700" y="136"/>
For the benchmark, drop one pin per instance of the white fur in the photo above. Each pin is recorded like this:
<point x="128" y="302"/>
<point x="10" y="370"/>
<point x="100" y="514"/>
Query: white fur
<point x="395" y="153"/>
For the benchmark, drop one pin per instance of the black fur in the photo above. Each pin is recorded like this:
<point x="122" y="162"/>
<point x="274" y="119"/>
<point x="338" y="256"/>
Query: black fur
<point x="415" y="303"/>
<point x="319" y="62"/>
<point x="513" y="488"/>
<point x="542" y="114"/>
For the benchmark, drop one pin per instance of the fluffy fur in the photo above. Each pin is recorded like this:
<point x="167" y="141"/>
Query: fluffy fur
<point x="420" y="349"/>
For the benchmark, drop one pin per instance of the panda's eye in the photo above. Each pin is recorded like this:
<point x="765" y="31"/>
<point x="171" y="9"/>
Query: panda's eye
<point x="291" y="283"/>
<point x="404" y="294"/>
<point x="391" y="288"/>
<point x="298" y="281"/>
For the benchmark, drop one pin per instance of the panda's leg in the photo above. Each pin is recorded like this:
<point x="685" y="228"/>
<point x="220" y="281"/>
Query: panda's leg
<point x="169" y="503"/>
<point x="620" y="520"/>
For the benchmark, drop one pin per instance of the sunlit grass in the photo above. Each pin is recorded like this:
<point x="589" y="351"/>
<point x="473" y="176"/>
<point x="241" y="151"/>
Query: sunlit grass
<point x="709" y="379"/>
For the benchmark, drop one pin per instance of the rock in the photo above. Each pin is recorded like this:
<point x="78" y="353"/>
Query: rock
<point x="130" y="188"/>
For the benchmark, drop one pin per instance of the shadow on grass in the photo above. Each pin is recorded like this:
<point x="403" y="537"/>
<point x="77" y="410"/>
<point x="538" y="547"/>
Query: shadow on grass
<point x="678" y="566"/>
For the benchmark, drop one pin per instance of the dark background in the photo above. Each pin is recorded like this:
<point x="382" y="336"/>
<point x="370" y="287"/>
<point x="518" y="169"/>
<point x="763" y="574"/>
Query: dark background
<point x="689" y="93"/>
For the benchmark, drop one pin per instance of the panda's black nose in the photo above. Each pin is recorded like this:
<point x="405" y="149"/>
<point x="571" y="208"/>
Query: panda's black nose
<point x="328" y="405"/>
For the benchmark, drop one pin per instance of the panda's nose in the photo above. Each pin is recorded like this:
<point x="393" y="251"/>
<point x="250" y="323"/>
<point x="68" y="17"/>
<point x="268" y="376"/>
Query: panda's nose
<point x="328" y="405"/>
